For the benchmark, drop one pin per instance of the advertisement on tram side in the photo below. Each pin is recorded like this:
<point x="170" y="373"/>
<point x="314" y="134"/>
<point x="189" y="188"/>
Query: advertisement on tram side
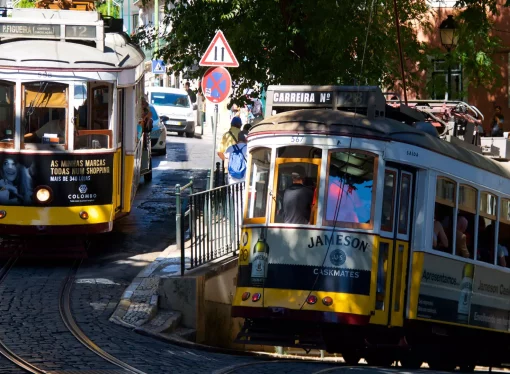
<point x="462" y="293"/>
<point x="72" y="179"/>
<point x="306" y="259"/>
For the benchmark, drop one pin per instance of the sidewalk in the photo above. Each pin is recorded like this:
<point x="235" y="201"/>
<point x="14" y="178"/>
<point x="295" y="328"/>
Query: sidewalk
<point x="138" y="307"/>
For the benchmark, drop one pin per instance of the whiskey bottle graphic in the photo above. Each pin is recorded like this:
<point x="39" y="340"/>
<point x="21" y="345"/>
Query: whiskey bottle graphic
<point x="259" y="263"/>
<point x="466" y="287"/>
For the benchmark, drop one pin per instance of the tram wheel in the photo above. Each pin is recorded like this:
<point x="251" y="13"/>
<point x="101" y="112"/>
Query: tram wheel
<point x="351" y="357"/>
<point x="380" y="359"/>
<point x="410" y="360"/>
<point x="441" y="364"/>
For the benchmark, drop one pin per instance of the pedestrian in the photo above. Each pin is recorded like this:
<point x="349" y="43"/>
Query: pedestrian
<point x="236" y="156"/>
<point x="230" y="137"/>
<point x="246" y="128"/>
<point x="256" y="109"/>
<point x="497" y="126"/>
<point x="191" y="94"/>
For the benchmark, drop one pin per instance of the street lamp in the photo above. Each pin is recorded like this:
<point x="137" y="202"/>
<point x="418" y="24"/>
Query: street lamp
<point x="449" y="39"/>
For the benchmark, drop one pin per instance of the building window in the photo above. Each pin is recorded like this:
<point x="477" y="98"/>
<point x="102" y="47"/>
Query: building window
<point x="440" y="81"/>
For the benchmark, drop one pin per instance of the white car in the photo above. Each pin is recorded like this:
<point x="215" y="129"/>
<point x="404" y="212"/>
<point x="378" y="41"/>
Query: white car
<point x="158" y="133"/>
<point x="175" y="109"/>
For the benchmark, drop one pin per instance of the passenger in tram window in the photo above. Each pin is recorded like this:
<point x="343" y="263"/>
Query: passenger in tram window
<point x="502" y="255"/>
<point x="439" y="238"/>
<point x="462" y="225"/>
<point x="297" y="199"/>
<point x="497" y="126"/>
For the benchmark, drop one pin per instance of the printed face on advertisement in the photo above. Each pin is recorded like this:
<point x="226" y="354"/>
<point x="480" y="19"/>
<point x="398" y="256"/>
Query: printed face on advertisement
<point x="9" y="170"/>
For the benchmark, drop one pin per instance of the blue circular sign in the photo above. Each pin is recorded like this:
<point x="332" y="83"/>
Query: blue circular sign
<point x="216" y="84"/>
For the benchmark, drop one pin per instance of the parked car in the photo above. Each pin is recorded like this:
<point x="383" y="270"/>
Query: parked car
<point x="158" y="133"/>
<point x="175" y="109"/>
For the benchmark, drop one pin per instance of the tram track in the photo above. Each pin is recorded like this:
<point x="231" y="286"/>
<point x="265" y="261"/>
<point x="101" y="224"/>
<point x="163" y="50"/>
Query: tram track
<point x="66" y="315"/>
<point x="72" y="326"/>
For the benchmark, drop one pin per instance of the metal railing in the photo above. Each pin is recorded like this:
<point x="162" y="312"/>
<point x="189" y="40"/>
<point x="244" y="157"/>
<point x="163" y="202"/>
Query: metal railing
<point x="215" y="218"/>
<point x="179" y="237"/>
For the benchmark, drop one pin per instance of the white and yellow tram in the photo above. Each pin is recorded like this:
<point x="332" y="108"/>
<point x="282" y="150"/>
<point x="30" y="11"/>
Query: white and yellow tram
<point x="367" y="274"/>
<point x="71" y="146"/>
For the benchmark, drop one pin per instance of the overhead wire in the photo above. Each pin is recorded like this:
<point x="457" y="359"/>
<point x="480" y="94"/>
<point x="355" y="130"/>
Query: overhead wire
<point x="342" y="185"/>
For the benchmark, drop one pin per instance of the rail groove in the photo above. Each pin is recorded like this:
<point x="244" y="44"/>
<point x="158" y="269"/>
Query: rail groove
<point x="67" y="317"/>
<point x="4" y="350"/>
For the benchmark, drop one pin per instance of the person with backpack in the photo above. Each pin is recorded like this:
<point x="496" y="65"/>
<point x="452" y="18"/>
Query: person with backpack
<point x="236" y="156"/>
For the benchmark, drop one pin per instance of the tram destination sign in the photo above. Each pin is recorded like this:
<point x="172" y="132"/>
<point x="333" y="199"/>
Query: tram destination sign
<point x="10" y="30"/>
<point x="303" y="97"/>
<point x="27" y="30"/>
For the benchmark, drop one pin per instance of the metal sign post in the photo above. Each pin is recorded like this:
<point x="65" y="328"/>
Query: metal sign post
<point x="217" y="83"/>
<point x="215" y="133"/>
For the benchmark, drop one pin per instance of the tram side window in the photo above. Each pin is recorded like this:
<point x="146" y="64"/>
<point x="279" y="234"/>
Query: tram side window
<point x="350" y="189"/>
<point x="258" y="183"/>
<point x="44" y="115"/>
<point x="443" y="215"/>
<point x="486" y="227"/>
<point x="466" y="217"/>
<point x="6" y="114"/>
<point x="503" y="258"/>
<point x="387" y="213"/>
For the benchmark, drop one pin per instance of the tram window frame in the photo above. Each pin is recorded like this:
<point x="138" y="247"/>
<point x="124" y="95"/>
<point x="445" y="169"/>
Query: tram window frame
<point x="504" y="219"/>
<point x="404" y="217"/>
<point x="297" y="160"/>
<point x="90" y="130"/>
<point x="468" y="211"/>
<point x="446" y="201"/>
<point x="493" y="219"/>
<point x="345" y="224"/>
<point x="12" y="126"/>
<point x="389" y="227"/>
<point x="44" y="146"/>
<point x="250" y="171"/>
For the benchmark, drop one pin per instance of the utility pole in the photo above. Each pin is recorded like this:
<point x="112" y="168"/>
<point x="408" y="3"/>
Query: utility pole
<point x="156" y="24"/>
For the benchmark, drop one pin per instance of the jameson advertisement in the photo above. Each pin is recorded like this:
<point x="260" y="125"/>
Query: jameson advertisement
<point x="72" y="179"/>
<point x="453" y="291"/>
<point x="307" y="259"/>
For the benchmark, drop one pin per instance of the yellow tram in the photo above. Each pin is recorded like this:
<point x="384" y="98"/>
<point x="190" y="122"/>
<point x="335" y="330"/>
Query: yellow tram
<point x="352" y="262"/>
<point x="71" y="147"/>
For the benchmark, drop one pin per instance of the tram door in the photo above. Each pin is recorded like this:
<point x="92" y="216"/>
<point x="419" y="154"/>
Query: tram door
<point x="393" y="247"/>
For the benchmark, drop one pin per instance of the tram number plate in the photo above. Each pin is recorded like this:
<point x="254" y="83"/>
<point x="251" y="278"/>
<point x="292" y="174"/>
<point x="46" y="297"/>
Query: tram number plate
<point x="83" y="32"/>
<point x="297" y="139"/>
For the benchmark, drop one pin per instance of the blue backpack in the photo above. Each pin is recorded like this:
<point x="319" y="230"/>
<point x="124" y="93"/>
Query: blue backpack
<point x="237" y="163"/>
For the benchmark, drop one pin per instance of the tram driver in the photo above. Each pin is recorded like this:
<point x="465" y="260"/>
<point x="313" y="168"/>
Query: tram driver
<point x="297" y="199"/>
<point x="54" y="126"/>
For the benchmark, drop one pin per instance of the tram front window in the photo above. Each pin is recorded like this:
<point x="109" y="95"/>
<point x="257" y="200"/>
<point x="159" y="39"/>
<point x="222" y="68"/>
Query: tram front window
<point x="6" y="115"/>
<point x="258" y="184"/>
<point x="44" y="115"/>
<point x="296" y="189"/>
<point x="350" y="189"/>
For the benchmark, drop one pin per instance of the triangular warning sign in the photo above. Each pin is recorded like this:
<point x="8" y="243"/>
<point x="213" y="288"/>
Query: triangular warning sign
<point x="219" y="53"/>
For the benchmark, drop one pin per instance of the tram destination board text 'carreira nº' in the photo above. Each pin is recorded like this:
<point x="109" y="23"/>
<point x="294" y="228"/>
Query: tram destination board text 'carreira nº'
<point x="27" y="30"/>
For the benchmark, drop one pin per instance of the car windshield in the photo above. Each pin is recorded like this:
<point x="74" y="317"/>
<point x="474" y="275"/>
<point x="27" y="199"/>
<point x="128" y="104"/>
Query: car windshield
<point x="170" y="99"/>
<point x="154" y="113"/>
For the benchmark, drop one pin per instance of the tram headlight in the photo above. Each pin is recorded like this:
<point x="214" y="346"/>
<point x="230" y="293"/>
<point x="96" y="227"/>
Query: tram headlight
<point x="245" y="296"/>
<point x="43" y="194"/>
<point x="3" y="213"/>
<point x="84" y="215"/>
<point x="256" y="297"/>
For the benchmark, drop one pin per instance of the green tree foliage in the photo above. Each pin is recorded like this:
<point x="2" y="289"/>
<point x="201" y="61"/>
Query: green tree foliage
<point x="314" y="41"/>
<point x="102" y="7"/>
<point x="26" y="4"/>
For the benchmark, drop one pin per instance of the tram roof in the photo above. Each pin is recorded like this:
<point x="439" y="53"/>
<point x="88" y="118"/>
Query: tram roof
<point x="118" y="54"/>
<point x="335" y="122"/>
